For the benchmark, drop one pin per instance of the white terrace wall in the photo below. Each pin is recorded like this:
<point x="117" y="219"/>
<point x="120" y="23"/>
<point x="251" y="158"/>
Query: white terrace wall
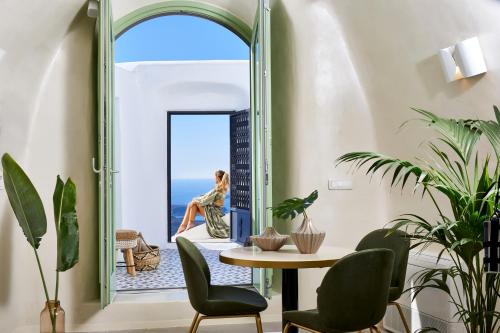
<point x="145" y="91"/>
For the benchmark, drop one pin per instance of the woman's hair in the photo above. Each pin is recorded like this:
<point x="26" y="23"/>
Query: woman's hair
<point x="223" y="185"/>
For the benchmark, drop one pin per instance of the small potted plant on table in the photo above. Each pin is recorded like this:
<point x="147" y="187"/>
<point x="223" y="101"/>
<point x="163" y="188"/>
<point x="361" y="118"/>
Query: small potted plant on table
<point x="307" y="238"/>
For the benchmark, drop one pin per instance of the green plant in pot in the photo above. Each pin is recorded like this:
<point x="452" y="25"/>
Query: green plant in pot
<point x="30" y="213"/>
<point x="307" y="238"/>
<point x="460" y="175"/>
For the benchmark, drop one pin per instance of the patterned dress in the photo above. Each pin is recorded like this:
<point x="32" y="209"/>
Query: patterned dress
<point x="213" y="202"/>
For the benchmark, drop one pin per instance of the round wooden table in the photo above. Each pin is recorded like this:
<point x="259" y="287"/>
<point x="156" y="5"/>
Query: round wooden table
<point x="289" y="260"/>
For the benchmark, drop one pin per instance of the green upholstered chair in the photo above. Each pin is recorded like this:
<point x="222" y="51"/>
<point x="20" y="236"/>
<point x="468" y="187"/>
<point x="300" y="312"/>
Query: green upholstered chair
<point x="399" y="242"/>
<point x="352" y="296"/>
<point x="215" y="301"/>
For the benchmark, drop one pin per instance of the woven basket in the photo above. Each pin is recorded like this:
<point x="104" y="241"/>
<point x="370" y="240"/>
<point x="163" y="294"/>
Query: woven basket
<point x="146" y="257"/>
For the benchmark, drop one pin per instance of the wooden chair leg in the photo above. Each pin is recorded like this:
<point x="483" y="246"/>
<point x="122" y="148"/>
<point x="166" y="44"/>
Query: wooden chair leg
<point x="403" y="319"/>
<point x="129" y="261"/>
<point x="258" y="322"/>
<point x="196" y="323"/>
<point x="286" y="328"/>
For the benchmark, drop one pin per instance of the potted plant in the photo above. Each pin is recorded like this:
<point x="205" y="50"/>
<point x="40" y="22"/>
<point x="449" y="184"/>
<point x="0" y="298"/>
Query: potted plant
<point x="307" y="238"/>
<point x="30" y="213"/>
<point x="465" y="176"/>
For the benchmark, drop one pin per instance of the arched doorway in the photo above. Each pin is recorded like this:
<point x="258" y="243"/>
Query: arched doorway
<point x="179" y="81"/>
<point x="258" y="39"/>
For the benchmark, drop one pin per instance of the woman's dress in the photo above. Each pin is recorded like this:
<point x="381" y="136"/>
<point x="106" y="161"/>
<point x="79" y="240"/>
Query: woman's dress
<point x="211" y="202"/>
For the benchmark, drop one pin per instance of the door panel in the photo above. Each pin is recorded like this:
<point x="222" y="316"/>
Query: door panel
<point x="240" y="173"/>
<point x="261" y="132"/>
<point x="105" y="153"/>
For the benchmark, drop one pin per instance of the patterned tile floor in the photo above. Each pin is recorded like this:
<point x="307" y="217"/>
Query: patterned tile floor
<point x="169" y="274"/>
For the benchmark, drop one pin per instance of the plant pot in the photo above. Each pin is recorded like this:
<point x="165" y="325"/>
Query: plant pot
<point x="269" y="240"/>
<point x="307" y="238"/>
<point x="46" y="321"/>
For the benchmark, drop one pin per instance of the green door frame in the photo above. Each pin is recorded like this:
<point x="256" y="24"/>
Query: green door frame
<point x="194" y="8"/>
<point x="232" y="23"/>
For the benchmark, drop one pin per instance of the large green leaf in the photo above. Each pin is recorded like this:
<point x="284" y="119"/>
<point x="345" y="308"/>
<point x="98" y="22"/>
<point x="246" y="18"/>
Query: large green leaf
<point x="66" y="224"/>
<point x="290" y="208"/>
<point x="25" y="201"/>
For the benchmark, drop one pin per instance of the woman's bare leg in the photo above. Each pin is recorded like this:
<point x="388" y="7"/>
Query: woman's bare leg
<point x="195" y="209"/>
<point x="185" y="219"/>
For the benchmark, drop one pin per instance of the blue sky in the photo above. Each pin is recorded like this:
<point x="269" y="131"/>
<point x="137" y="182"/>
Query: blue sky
<point x="179" y="37"/>
<point x="200" y="144"/>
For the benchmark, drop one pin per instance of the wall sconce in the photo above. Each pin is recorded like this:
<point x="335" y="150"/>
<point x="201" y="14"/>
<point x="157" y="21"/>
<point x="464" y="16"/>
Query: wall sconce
<point x="462" y="60"/>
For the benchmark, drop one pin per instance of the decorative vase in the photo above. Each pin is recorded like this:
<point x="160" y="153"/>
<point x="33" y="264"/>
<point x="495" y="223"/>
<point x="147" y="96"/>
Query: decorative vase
<point x="307" y="238"/>
<point x="269" y="240"/>
<point x="45" y="320"/>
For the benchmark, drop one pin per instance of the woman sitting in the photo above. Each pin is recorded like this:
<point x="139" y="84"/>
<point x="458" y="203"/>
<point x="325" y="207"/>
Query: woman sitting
<point x="210" y="206"/>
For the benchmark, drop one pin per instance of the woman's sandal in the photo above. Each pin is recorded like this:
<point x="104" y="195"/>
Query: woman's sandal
<point x="190" y="225"/>
<point x="181" y="230"/>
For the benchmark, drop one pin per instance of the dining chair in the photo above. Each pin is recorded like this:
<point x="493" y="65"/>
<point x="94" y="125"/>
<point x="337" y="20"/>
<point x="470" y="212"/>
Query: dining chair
<point x="213" y="302"/>
<point x="399" y="242"/>
<point x="352" y="296"/>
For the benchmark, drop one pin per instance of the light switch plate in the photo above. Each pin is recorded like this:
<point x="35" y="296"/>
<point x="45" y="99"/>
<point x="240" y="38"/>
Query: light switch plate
<point x="335" y="185"/>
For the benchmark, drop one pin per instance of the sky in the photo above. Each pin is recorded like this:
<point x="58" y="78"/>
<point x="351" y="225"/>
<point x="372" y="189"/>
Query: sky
<point x="200" y="144"/>
<point x="179" y="37"/>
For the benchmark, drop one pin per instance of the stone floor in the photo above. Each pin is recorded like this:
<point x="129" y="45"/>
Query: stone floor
<point x="169" y="274"/>
<point x="236" y="328"/>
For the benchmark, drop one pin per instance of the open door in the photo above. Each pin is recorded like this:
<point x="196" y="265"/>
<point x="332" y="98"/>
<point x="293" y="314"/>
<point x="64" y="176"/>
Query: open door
<point x="261" y="132"/>
<point x="241" y="176"/>
<point x="105" y="158"/>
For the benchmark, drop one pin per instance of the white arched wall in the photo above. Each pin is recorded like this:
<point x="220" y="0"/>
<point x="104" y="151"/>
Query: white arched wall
<point x="344" y="73"/>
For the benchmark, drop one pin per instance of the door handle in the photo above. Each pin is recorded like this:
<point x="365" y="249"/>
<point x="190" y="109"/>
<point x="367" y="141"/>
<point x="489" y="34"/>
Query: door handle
<point x="94" y="168"/>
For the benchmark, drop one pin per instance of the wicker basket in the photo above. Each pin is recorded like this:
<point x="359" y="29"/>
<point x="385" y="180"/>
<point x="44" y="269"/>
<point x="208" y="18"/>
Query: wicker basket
<point x="146" y="257"/>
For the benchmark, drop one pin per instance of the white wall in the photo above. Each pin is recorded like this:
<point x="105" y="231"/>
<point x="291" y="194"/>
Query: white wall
<point x="145" y="92"/>
<point x="344" y="73"/>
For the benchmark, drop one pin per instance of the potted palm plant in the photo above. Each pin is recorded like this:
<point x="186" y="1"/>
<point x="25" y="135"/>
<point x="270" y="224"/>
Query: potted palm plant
<point x="30" y="213"/>
<point x="465" y="175"/>
<point x="307" y="238"/>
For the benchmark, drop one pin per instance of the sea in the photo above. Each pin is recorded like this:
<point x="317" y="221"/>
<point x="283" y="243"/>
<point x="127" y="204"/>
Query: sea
<point x="183" y="191"/>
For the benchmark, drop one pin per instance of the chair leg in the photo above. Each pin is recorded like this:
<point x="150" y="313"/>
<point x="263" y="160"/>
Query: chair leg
<point x="196" y="323"/>
<point x="258" y="322"/>
<point x="403" y="319"/>
<point x="290" y="324"/>
<point x="197" y="314"/>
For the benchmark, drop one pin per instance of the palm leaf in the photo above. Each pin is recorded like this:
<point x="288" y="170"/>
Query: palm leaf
<point x="491" y="130"/>
<point x="66" y="224"/>
<point x="25" y="201"/>
<point x="458" y="134"/>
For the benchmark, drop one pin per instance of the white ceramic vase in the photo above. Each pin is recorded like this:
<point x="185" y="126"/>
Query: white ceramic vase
<point x="307" y="238"/>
